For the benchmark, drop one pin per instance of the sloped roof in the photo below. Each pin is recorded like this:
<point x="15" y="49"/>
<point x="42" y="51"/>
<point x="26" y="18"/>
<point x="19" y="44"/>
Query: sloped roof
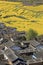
<point x="34" y="43"/>
<point x="11" y="55"/>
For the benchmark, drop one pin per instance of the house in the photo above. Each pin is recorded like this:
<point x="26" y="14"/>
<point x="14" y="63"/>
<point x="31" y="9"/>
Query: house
<point x="11" y="30"/>
<point x="19" y="35"/>
<point x="40" y="39"/>
<point x="24" y="44"/>
<point x="27" y="51"/>
<point x="8" y="43"/>
<point x="2" y="26"/>
<point x="13" y="57"/>
<point x="37" y="61"/>
<point x="4" y="59"/>
<point x="9" y="57"/>
<point x="34" y="43"/>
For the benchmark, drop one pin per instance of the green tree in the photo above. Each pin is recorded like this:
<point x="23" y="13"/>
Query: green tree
<point x="31" y="34"/>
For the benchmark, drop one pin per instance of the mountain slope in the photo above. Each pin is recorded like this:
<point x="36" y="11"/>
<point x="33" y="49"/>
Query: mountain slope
<point x="22" y="17"/>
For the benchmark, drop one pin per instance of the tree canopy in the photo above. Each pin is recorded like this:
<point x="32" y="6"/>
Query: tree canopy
<point x="31" y="34"/>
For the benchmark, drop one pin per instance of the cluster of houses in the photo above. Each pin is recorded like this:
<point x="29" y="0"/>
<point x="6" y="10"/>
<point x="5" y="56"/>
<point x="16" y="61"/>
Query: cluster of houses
<point x="15" y="49"/>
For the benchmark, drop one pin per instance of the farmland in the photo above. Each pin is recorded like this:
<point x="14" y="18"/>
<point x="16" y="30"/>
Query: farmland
<point x="15" y="14"/>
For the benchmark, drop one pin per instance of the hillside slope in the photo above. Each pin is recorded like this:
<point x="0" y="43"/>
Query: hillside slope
<point x="22" y="17"/>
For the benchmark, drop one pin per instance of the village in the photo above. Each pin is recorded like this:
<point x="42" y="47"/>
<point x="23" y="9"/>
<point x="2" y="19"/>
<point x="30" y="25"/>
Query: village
<point x="29" y="2"/>
<point x="15" y="49"/>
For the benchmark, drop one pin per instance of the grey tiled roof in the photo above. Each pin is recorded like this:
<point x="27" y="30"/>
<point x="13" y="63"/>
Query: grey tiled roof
<point x="11" y="55"/>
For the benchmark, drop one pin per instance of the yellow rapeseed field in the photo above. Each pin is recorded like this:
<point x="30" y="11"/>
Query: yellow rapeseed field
<point x="15" y="14"/>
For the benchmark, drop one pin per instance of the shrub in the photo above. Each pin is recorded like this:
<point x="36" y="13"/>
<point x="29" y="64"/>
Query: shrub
<point x="31" y="34"/>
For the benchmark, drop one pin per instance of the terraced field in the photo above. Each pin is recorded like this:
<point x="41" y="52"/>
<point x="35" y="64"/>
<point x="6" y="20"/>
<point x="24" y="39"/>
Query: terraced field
<point x="22" y="17"/>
